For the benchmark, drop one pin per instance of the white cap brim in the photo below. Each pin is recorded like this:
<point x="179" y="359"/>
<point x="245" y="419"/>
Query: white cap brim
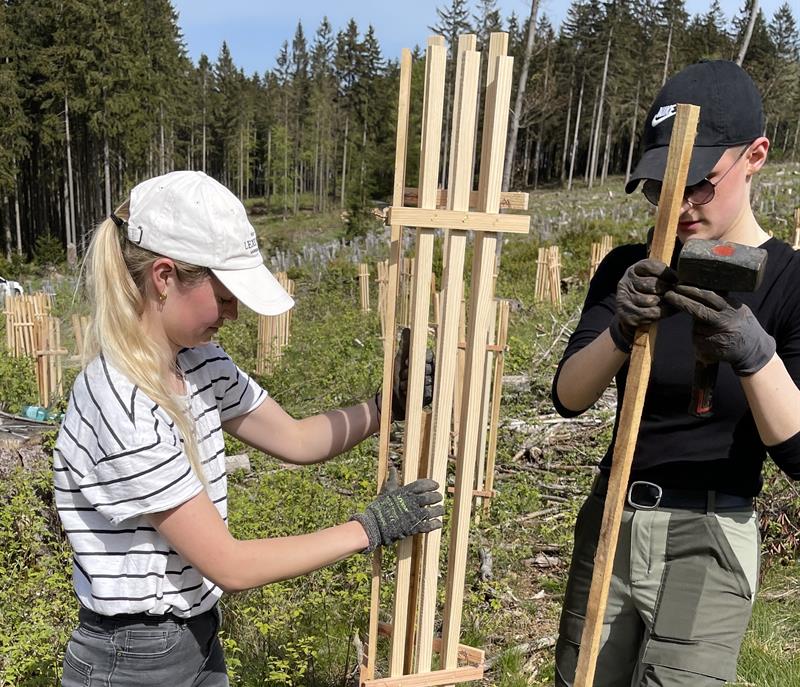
<point x="257" y="289"/>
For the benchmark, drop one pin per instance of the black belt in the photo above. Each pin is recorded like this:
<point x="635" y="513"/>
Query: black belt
<point x="649" y="496"/>
<point x="88" y="616"/>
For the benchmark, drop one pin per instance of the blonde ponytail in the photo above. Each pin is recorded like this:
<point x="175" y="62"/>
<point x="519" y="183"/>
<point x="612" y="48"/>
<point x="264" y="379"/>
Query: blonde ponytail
<point x="117" y="286"/>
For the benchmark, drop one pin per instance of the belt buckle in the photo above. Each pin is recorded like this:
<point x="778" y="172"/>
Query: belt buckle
<point x="643" y="506"/>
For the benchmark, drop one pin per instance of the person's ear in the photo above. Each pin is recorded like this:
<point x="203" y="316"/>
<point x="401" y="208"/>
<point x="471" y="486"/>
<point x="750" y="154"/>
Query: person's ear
<point x="161" y="271"/>
<point x="757" y="155"/>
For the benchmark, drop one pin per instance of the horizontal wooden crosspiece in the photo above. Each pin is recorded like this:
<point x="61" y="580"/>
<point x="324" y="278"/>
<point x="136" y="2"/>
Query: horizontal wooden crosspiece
<point x="509" y="200"/>
<point x="457" y="219"/>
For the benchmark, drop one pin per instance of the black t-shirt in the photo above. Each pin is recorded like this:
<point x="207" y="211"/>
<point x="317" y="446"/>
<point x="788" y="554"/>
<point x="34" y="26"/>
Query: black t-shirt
<point x="674" y="448"/>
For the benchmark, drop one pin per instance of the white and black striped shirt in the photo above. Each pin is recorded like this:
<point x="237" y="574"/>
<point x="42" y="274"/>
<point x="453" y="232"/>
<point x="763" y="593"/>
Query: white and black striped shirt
<point x="118" y="457"/>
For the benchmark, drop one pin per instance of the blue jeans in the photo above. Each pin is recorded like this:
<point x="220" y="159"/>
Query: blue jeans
<point x="138" y="651"/>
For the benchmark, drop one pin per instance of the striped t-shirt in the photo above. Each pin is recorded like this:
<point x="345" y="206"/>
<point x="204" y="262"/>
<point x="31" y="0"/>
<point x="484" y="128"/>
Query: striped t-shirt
<point x="118" y="457"/>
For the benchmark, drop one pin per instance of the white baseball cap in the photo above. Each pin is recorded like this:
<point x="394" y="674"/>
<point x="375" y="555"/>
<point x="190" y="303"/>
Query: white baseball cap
<point x="191" y="217"/>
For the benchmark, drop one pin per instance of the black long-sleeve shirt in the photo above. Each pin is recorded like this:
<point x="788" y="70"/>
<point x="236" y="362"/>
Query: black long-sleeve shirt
<point x="674" y="448"/>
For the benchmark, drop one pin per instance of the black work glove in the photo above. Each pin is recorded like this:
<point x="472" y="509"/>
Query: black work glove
<point x="724" y="330"/>
<point x="400" y="380"/>
<point x="640" y="300"/>
<point x="400" y="512"/>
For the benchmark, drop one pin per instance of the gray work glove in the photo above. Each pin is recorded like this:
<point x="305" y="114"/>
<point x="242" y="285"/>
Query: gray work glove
<point x="400" y="380"/>
<point x="400" y="512"/>
<point x="640" y="300"/>
<point x="724" y="330"/>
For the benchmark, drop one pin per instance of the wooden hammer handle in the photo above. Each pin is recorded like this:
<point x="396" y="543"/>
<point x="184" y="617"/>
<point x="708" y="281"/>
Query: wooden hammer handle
<point x="669" y="207"/>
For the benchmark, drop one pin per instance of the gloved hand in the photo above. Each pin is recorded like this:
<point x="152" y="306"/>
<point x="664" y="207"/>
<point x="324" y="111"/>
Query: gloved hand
<point x="640" y="300"/>
<point x="400" y="380"/>
<point x="724" y="330"/>
<point x="399" y="512"/>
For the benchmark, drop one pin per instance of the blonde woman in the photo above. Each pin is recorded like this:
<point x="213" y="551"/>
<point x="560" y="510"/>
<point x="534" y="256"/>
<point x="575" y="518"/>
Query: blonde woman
<point x="139" y="464"/>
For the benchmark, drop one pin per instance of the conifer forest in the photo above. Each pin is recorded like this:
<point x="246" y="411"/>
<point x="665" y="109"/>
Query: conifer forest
<point x="96" y="95"/>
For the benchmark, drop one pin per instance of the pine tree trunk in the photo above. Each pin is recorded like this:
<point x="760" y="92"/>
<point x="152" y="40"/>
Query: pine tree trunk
<point x="17" y="219"/>
<point x="107" y="175"/>
<point x="669" y="49"/>
<point x="575" y="138"/>
<point x="162" y="145"/>
<point x="632" y="143"/>
<point x="344" y="160"/>
<point x="268" y="173"/>
<point x="71" y="236"/>
<point x="599" y="124"/>
<point x="607" y="151"/>
<point x="563" y="174"/>
<point x="588" y="165"/>
<point x="748" y="34"/>
<point x="7" y="223"/>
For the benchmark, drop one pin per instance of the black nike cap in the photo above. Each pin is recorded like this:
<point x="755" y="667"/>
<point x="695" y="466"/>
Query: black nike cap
<point x="731" y="114"/>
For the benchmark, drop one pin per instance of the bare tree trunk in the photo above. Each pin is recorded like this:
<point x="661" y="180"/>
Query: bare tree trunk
<point x="566" y="137"/>
<point x="575" y="138"/>
<point x="632" y="143"/>
<point x="72" y="239"/>
<point x="107" y="175"/>
<point x="162" y="149"/>
<point x="17" y="219"/>
<point x="748" y="34"/>
<point x="607" y="150"/>
<point x="592" y="129"/>
<point x="268" y="173"/>
<point x="344" y="160"/>
<point x="796" y="137"/>
<point x="520" y="99"/>
<point x="599" y="124"/>
<point x="666" y="56"/>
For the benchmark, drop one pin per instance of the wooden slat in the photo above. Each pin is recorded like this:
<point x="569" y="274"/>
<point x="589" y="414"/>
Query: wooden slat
<point x="669" y="206"/>
<point x="433" y="106"/>
<point x="497" y="394"/>
<point x="461" y="219"/>
<point x="390" y="319"/>
<point x="462" y="148"/>
<point x="498" y="93"/>
<point x="509" y="200"/>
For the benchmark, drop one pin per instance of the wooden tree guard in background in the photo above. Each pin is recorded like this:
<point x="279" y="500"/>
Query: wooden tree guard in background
<point x="599" y="251"/>
<point x="273" y="333"/>
<point x="548" y="275"/>
<point x="363" y="283"/>
<point x="797" y="229"/>
<point x="32" y="333"/>
<point x="663" y="244"/>
<point x="418" y="600"/>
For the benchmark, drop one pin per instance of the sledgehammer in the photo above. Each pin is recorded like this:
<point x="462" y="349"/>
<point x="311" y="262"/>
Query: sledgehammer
<point x="719" y="266"/>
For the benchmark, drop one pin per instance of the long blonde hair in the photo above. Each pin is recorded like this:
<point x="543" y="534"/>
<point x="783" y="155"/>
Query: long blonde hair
<point x="116" y="281"/>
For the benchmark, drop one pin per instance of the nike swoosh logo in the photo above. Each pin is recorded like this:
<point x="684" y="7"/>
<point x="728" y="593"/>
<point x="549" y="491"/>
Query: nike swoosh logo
<point x="657" y="119"/>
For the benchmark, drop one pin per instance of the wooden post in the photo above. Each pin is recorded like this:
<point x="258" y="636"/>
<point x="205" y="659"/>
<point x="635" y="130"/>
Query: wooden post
<point x="680" y="150"/>
<point x="541" y="275"/>
<point x="363" y="283"/>
<point x="498" y="94"/>
<point x="433" y="105"/>
<point x="390" y="318"/>
<point x="554" y="275"/>
<point x="382" y="271"/>
<point x="797" y="229"/>
<point x="497" y="392"/>
<point x="599" y="251"/>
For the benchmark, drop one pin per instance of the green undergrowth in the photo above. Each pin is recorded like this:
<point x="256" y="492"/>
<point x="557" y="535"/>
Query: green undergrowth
<point x="300" y="632"/>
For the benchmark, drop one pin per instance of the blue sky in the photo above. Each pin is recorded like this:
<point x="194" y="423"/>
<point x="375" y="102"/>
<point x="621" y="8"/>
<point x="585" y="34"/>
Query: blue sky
<point x="255" y="29"/>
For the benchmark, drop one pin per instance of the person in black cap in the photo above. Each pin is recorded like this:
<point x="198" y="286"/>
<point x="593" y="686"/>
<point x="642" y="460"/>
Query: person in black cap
<point x="686" y="567"/>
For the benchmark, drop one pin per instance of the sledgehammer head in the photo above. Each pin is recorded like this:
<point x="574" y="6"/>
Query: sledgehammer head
<point x="721" y="265"/>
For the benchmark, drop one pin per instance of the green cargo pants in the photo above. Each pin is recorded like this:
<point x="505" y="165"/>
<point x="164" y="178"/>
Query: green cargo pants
<point x="680" y="599"/>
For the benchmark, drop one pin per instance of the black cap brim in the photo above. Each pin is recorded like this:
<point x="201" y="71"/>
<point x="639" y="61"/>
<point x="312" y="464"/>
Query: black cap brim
<point x="654" y="162"/>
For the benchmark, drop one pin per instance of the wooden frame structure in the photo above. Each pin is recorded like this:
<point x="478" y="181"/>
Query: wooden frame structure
<point x="599" y="250"/>
<point x="273" y="333"/>
<point x="363" y="286"/>
<point x="548" y="275"/>
<point x="412" y="629"/>
<point x="663" y="244"/>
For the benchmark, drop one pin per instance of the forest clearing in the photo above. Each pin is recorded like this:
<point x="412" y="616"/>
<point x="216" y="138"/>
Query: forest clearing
<point x="369" y="187"/>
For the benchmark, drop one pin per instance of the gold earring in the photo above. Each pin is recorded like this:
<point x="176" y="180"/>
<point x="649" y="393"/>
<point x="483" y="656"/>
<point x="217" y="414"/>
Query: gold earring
<point x="162" y="297"/>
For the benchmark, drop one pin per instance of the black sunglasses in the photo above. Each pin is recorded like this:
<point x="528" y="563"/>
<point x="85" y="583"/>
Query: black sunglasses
<point x="700" y="193"/>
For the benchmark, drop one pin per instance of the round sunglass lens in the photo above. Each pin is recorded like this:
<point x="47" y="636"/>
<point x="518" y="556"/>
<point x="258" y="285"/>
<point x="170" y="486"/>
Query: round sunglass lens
<point x="701" y="193"/>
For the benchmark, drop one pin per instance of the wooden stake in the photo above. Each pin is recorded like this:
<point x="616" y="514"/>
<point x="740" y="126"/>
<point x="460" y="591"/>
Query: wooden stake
<point x="363" y="283"/>
<point x="390" y="318"/>
<point x="497" y="392"/>
<point x="462" y="149"/>
<point x="433" y="105"/>
<point x="797" y="229"/>
<point x="498" y="93"/>
<point x="680" y="150"/>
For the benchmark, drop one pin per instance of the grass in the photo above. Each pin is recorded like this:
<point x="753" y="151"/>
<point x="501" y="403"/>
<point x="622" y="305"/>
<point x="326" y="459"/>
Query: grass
<point x="299" y="632"/>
